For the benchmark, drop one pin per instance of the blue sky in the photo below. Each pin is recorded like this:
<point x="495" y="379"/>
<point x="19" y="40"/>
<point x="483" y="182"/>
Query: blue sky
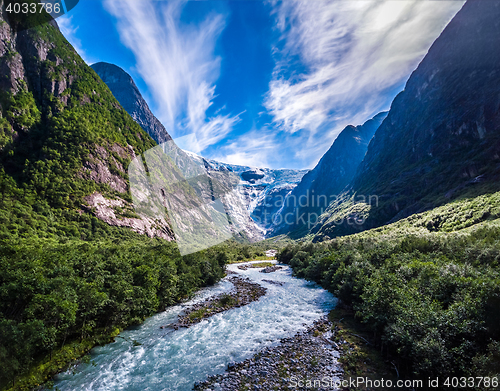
<point x="261" y="83"/>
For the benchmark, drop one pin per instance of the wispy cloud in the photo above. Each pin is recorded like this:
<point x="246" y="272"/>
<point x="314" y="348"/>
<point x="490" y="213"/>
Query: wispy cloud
<point x="69" y="31"/>
<point x="178" y="64"/>
<point x="351" y="56"/>
<point x="256" y="148"/>
<point x="269" y="147"/>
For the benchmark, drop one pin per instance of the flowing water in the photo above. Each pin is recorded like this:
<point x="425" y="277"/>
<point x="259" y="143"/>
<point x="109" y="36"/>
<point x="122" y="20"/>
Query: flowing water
<point x="169" y="360"/>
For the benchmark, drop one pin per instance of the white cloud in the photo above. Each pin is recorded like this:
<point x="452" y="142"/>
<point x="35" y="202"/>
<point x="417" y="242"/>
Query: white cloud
<point x="352" y="55"/>
<point x="256" y="148"/>
<point x="337" y="63"/>
<point x="68" y="29"/>
<point x="178" y="64"/>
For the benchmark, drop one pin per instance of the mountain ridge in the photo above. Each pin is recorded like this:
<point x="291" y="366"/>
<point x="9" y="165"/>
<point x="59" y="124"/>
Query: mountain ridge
<point x="328" y="179"/>
<point x="121" y="84"/>
<point x="440" y="139"/>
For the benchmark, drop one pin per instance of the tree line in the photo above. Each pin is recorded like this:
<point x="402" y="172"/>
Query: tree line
<point x="431" y="301"/>
<point x="52" y="294"/>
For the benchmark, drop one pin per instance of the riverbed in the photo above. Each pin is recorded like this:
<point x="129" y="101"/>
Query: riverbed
<point x="148" y="357"/>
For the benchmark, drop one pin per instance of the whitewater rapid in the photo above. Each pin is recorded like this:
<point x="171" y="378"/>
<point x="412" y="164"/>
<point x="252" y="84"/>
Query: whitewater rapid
<point x="168" y="359"/>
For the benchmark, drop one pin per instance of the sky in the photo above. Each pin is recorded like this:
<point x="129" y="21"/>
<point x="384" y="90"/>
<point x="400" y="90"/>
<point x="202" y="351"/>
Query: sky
<point x="256" y="82"/>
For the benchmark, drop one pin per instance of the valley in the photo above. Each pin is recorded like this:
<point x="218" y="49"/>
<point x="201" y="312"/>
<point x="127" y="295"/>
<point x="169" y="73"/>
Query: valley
<point x="177" y="359"/>
<point x="128" y="263"/>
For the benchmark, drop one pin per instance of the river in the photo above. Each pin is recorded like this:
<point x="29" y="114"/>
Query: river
<point x="168" y="359"/>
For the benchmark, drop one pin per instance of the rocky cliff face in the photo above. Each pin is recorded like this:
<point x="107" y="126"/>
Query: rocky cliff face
<point x="260" y="191"/>
<point x="124" y="89"/>
<point x="327" y="180"/>
<point x="264" y="191"/>
<point x="441" y="138"/>
<point x="64" y="138"/>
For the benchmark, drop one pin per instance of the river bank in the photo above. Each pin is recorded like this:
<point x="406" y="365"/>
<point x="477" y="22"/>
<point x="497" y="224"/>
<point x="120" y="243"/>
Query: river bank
<point x="309" y="356"/>
<point x="176" y="359"/>
<point x="332" y="351"/>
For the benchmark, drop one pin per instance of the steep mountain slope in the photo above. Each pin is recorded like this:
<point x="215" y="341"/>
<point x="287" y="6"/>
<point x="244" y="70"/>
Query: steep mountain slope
<point x="260" y="192"/>
<point x="331" y="175"/>
<point x="65" y="142"/>
<point x="124" y="89"/>
<point x="204" y="205"/>
<point x="441" y="138"/>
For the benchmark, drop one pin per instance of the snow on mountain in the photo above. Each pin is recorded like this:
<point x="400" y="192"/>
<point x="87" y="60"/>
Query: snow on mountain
<point x="261" y="190"/>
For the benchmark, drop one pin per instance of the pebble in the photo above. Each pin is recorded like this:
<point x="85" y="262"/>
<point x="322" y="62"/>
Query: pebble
<point x="245" y="292"/>
<point x="304" y="356"/>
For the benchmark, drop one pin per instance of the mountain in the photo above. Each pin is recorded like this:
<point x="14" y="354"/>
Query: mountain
<point x="441" y="138"/>
<point x="124" y="89"/>
<point x="65" y="142"/>
<point x="332" y="174"/>
<point x="260" y="192"/>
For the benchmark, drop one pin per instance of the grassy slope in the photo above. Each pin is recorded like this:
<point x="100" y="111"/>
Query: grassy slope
<point x="46" y="142"/>
<point x="475" y="205"/>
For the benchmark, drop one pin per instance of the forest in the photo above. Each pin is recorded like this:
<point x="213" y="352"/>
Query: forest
<point x="429" y="297"/>
<point x="58" y="300"/>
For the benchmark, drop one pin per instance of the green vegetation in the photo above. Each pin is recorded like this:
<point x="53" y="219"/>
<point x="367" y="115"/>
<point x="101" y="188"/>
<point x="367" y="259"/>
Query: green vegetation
<point x="70" y="281"/>
<point x="225" y="301"/>
<point x="243" y="252"/>
<point x="466" y="211"/>
<point x="430" y="300"/>
<point x="256" y="258"/>
<point x="462" y="213"/>
<point x="78" y="294"/>
<point x="477" y="204"/>
<point x="359" y="357"/>
<point x="46" y="139"/>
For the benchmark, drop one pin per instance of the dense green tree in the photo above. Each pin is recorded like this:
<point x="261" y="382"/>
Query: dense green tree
<point x="431" y="300"/>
